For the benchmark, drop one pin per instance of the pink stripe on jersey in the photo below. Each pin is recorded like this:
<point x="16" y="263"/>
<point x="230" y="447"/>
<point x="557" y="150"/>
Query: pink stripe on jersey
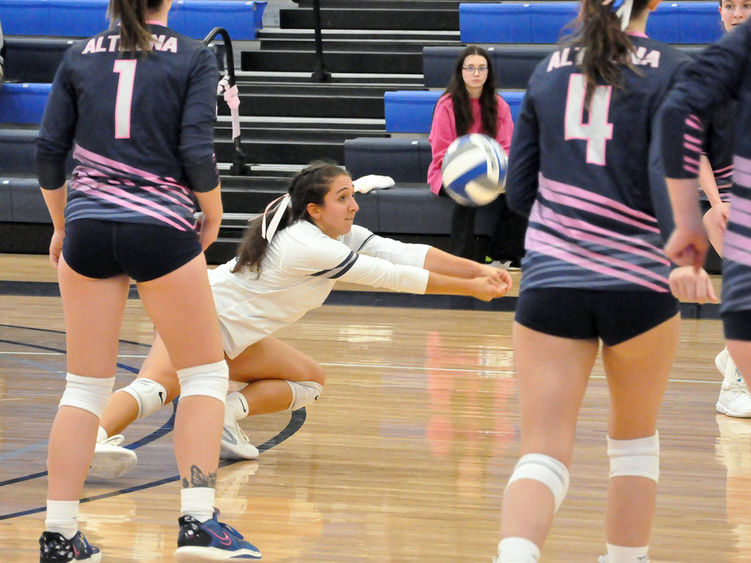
<point x="543" y="243"/>
<point x="742" y="171"/>
<point x="83" y="155"/>
<point x="586" y="195"/>
<point x="689" y="146"/>
<point x="98" y="193"/>
<point x="178" y="198"/>
<point x="131" y="201"/>
<point x="575" y="203"/>
<point x="694" y="122"/>
<point x="726" y="170"/>
<point x="741" y="212"/>
<point x="735" y="247"/>
<point x="580" y="230"/>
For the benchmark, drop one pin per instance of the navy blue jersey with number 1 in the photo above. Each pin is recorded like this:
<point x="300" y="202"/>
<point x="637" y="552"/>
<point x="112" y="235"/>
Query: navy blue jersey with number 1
<point x="141" y="127"/>
<point x="590" y="178"/>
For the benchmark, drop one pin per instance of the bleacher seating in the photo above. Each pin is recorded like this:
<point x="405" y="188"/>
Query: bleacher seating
<point x="409" y="207"/>
<point x="33" y="59"/>
<point x="542" y="22"/>
<point x="513" y="64"/>
<point x="83" y="18"/>
<point x="23" y="103"/>
<point x="411" y="111"/>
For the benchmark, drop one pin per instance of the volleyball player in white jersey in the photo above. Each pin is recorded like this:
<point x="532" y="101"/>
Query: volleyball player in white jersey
<point x="287" y="265"/>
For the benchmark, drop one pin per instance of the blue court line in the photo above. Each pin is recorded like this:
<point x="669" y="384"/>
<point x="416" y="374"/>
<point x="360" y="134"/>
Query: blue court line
<point x="61" y="351"/>
<point x="55" y="331"/>
<point x="41" y="444"/>
<point x="295" y="422"/>
<point x="168" y="426"/>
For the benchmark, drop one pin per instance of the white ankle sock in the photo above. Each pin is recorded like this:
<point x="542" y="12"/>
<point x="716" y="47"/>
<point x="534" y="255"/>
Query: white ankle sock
<point x="236" y="406"/>
<point x="101" y="435"/>
<point x="517" y="550"/>
<point x="62" y="517"/>
<point x="197" y="502"/>
<point x="621" y="554"/>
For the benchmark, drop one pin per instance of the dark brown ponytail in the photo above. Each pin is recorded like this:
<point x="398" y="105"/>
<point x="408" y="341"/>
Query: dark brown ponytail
<point x="606" y="48"/>
<point x="134" y="32"/>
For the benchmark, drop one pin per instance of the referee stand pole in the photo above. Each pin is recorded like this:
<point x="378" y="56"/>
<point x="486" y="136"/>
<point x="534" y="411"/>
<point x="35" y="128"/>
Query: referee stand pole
<point x="228" y="87"/>
<point x="320" y="74"/>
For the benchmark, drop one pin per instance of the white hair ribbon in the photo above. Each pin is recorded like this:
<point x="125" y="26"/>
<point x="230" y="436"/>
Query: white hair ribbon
<point x="623" y="11"/>
<point x="284" y="202"/>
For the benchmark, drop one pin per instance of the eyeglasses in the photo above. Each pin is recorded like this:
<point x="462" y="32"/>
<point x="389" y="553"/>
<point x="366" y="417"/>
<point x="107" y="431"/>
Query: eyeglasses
<point x="472" y="69"/>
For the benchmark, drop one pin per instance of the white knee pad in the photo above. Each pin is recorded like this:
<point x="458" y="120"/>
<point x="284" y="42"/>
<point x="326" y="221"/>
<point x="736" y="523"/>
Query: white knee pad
<point x="636" y="458"/>
<point x="303" y="393"/>
<point x="149" y="394"/>
<point x="210" y="380"/>
<point x="87" y="393"/>
<point x="545" y="469"/>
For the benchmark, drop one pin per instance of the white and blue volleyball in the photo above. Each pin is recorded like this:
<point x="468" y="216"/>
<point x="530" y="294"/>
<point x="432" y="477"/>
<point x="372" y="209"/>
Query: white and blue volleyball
<point x="474" y="170"/>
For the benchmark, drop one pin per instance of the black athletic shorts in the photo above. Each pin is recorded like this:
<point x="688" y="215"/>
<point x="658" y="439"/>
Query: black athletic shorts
<point x="584" y="314"/>
<point x="104" y="249"/>
<point x="737" y="325"/>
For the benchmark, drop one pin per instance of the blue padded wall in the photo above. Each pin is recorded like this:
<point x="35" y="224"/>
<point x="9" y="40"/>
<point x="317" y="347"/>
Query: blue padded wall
<point x="83" y="18"/>
<point x="543" y="22"/>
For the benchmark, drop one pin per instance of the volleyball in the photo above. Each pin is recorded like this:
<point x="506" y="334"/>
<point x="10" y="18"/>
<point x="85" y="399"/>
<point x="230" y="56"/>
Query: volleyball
<point x="474" y="170"/>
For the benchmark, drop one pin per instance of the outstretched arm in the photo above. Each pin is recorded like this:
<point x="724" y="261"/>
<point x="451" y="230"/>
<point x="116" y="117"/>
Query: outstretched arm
<point x="440" y="262"/>
<point x="484" y="288"/>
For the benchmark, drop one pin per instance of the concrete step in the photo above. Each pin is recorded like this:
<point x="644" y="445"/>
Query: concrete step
<point x="340" y="61"/>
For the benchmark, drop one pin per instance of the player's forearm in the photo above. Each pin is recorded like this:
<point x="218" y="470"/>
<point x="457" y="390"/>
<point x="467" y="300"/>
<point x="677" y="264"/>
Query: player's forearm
<point x="448" y="285"/>
<point x="685" y="202"/>
<point x="707" y="181"/>
<point x="440" y="262"/>
<point x="55" y="201"/>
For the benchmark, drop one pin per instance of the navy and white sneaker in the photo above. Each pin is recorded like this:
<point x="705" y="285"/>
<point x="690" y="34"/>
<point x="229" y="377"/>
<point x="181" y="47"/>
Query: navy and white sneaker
<point x="55" y="547"/>
<point x="211" y="541"/>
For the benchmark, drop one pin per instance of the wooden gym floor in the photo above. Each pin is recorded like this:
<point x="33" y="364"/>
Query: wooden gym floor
<point x="403" y="458"/>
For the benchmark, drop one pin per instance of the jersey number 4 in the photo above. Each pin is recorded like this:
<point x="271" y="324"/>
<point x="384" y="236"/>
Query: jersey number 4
<point x="127" y="71"/>
<point x="598" y="131"/>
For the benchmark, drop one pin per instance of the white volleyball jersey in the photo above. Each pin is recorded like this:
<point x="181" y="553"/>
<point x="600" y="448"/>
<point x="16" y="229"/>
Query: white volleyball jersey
<point x="298" y="272"/>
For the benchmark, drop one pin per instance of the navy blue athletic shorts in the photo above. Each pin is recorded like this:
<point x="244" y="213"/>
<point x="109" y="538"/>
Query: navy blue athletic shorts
<point x="584" y="314"/>
<point x="737" y="325"/>
<point x="104" y="249"/>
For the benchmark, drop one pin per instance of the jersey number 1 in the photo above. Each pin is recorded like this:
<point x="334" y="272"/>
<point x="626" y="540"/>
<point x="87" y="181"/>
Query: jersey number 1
<point x="127" y="71"/>
<point x="598" y="131"/>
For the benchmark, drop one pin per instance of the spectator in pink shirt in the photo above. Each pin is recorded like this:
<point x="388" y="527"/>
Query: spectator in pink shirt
<point x="470" y="104"/>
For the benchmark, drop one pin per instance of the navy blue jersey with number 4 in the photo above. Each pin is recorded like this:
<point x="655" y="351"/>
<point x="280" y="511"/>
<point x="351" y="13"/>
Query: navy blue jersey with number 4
<point x="141" y="127"/>
<point x="590" y="178"/>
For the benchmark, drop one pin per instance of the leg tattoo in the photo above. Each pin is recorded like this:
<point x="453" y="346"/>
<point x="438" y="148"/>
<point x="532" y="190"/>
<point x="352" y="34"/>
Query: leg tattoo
<point x="199" y="479"/>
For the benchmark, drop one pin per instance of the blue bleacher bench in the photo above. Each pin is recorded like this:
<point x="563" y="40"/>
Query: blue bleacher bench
<point x="544" y="22"/>
<point x="409" y="207"/>
<point x="411" y="111"/>
<point x="34" y="59"/>
<point x="406" y="160"/>
<point x="512" y="64"/>
<point x="23" y="103"/>
<point x="83" y="18"/>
